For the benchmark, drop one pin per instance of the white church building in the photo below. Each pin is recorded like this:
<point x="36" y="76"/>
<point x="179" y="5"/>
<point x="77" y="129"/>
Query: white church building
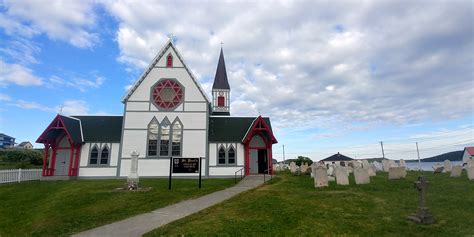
<point x="166" y="114"/>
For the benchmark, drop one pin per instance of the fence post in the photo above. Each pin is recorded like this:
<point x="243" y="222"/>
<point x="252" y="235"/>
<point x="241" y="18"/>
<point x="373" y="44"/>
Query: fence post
<point x="19" y="175"/>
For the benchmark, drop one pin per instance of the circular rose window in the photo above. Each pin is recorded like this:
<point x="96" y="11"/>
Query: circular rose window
<point x="167" y="94"/>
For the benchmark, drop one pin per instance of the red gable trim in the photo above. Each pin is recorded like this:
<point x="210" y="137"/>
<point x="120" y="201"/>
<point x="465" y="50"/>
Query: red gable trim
<point x="57" y="123"/>
<point x="470" y="150"/>
<point x="259" y="125"/>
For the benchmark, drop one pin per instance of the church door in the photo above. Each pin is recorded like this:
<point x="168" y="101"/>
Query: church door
<point x="62" y="162"/>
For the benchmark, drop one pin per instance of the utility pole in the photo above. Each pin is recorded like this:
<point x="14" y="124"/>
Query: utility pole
<point x="283" y="153"/>
<point x="383" y="154"/>
<point x="419" y="161"/>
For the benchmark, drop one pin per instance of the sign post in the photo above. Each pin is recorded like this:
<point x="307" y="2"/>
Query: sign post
<point x="185" y="165"/>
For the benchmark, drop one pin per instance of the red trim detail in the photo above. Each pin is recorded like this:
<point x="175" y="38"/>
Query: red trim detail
<point x="49" y="169"/>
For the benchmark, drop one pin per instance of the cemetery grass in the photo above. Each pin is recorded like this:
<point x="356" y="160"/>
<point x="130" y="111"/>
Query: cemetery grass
<point x="290" y="206"/>
<point x="61" y="208"/>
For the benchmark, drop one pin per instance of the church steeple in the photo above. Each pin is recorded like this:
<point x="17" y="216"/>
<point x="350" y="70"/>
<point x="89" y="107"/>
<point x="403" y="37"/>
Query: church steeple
<point x="221" y="89"/>
<point x="220" y="80"/>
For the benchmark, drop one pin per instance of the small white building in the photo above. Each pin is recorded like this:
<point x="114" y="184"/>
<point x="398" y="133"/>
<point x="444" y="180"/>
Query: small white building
<point x="166" y="114"/>
<point x="25" y="145"/>
<point x="468" y="154"/>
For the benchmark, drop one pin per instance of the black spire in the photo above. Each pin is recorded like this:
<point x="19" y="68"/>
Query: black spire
<point x="220" y="80"/>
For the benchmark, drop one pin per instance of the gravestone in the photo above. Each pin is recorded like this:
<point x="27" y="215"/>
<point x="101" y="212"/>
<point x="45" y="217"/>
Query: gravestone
<point x="365" y="164"/>
<point x="320" y="176"/>
<point x="293" y="167"/>
<point x="456" y="171"/>
<point x="447" y="166"/>
<point x="342" y="177"/>
<point x="330" y="170"/>
<point x="470" y="172"/>
<point x="392" y="164"/>
<point x="342" y="163"/>
<point x="402" y="163"/>
<point x="361" y="176"/>
<point x="133" y="178"/>
<point x="385" y="165"/>
<point x="397" y="173"/>
<point x="423" y="215"/>
<point x="371" y="171"/>
<point x="304" y="168"/>
<point x="438" y="168"/>
<point x="378" y="166"/>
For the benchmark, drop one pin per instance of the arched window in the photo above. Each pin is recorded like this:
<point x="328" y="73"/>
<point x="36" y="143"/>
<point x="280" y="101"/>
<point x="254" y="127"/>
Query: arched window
<point x="94" y="156"/>
<point x="169" y="60"/>
<point x="165" y="137"/>
<point x="104" y="156"/>
<point x="153" y="137"/>
<point x="221" y="156"/>
<point x="231" y="156"/>
<point x="221" y="101"/>
<point x="176" y="136"/>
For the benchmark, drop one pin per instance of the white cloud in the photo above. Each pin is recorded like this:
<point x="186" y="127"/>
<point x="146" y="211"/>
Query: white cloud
<point x="74" y="107"/>
<point x="368" y="62"/>
<point x="76" y="82"/>
<point x="17" y="74"/>
<point x="5" y="97"/>
<point x="70" y="21"/>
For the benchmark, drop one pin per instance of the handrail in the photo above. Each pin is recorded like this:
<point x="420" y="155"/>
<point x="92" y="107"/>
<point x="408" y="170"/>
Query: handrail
<point x="235" y="175"/>
<point x="264" y="174"/>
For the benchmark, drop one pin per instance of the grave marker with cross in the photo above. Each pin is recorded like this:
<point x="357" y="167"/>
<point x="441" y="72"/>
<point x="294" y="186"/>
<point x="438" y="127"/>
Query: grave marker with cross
<point x="423" y="215"/>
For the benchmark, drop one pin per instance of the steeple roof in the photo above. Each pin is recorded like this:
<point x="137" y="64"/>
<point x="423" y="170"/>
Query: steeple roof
<point x="220" y="80"/>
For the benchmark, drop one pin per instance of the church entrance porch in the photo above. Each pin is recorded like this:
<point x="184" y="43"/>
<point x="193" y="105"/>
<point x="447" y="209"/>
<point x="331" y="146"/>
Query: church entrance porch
<point x="258" y="148"/>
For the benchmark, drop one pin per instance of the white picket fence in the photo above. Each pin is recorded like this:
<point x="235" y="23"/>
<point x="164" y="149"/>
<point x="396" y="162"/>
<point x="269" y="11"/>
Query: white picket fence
<point x="19" y="175"/>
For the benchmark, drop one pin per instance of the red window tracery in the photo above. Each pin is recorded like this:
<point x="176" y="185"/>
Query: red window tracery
<point x="167" y="94"/>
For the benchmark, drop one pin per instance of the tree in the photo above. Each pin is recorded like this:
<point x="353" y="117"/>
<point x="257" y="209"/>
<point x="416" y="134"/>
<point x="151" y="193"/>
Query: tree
<point x="300" y="160"/>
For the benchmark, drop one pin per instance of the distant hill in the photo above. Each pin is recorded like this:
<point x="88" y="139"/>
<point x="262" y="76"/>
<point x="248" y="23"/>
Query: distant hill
<point x="452" y="156"/>
<point x="375" y="159"/>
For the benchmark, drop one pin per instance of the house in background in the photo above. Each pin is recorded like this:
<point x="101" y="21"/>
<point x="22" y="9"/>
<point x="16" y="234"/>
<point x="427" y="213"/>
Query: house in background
<point x="6" y="141"/>
<point x="336" y="158"/>
<point x="25" y="145"/>
<point x="468" y="154"/>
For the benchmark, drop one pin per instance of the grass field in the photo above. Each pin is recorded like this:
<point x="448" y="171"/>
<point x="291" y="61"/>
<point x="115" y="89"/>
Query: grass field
<point x="64" y="207"/>
<point x="290" y="206"/>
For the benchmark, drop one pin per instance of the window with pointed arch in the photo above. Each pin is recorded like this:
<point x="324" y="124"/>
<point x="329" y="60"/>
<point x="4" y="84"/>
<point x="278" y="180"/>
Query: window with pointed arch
<point x="165" y="137"/>
<point x="153" y="128"/>
<point x="221" y="156"/>
<point x="231" y="156"/>
<point x="176" y="138"/>
<point x="169" y="60"/>
<point x="94" y="156"/>
<point x="104" y="155"/>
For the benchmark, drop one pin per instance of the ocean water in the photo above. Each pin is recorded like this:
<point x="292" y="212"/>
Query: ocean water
<point x="428" y="166"/>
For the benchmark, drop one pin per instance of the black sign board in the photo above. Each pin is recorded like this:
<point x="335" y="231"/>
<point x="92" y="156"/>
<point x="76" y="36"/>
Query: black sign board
<point x="185" y="165"/>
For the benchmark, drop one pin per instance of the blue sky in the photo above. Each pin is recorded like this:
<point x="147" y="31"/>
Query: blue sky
<point x="333" y="77"/>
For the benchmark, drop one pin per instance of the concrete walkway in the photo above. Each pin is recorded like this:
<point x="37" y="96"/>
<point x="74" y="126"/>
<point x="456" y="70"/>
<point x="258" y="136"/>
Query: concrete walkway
<point x="143" y="223"/>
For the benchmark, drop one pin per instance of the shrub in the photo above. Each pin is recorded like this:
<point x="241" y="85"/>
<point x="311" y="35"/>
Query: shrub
<point x="33" y="157"/>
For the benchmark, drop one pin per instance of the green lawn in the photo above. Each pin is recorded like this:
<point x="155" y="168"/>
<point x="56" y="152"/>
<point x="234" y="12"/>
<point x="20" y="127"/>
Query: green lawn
<point x="64" y="207"/>
<point x="291" y="206"/>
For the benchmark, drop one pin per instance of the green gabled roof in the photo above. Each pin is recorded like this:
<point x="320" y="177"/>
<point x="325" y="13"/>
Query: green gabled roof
<point x="101" y="128"/>
<point x="230" y="129"/>
<point x="73" y="126"/>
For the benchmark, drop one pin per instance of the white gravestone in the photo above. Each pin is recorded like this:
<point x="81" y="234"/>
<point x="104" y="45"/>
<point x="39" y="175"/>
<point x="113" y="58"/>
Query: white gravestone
<point x="447" y="166"/>
<point x="365" y="164"/>
<point x="397" y="173"/>
<point x="342" y="177"/>
<point x="304" y="168"/>
<point x="470" y="173"/>
<point x="402" y="163"/>
<point x="293" y="167"/>
<point x="470" y="163"/>
<point x="456" y="171"/>
<point x="133" y="177"/>
<point x="371" y="170"/>
<point x="320" y="177"/>
<point x="378" y="166"/>
<point x="361" y="176"/>
<point x="386" y="165"/>
<point x="392" y="163"/>
<point x="331" y="170"/>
